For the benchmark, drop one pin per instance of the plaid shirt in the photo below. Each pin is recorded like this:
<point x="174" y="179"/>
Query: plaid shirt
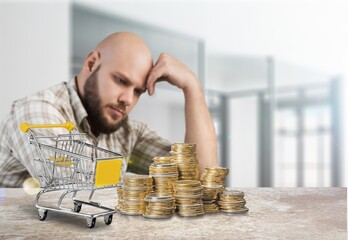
<point x="134" y="140"/>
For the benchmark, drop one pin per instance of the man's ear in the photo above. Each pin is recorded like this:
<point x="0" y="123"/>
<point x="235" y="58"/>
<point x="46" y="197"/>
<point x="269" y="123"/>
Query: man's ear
<point x="90" y="62"/>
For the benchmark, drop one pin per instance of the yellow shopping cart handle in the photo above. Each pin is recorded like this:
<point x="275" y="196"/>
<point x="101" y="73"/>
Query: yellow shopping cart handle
<point x="24" y="126"/>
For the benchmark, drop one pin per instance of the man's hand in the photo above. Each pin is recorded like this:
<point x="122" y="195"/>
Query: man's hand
<point x="169" y="69"/>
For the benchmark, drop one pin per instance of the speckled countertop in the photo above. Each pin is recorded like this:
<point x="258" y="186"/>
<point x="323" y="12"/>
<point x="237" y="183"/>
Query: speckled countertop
<point x="275" y="213"/>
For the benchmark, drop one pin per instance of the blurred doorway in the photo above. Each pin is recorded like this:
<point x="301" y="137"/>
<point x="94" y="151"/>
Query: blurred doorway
<point x="307" y="137"/>
<point x="293" y="141"/>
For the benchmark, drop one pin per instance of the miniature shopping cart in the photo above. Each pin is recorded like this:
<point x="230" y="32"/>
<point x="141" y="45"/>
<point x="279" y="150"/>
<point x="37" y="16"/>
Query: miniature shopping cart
<point x="66" y="162"/>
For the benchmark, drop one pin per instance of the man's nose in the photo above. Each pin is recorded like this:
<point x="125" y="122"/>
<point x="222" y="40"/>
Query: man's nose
<point x="126" y="97"/>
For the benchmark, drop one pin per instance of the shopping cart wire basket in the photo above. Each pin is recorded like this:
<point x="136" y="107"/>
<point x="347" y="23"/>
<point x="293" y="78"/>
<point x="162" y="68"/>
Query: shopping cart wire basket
<point x="66" y="162"/>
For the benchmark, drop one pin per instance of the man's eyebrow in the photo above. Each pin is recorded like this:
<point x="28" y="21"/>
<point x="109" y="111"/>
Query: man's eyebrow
<point x="125" y="78"/>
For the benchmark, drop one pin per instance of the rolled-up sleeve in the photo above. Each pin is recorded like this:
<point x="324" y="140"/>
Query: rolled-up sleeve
<point x="16" y="160"/>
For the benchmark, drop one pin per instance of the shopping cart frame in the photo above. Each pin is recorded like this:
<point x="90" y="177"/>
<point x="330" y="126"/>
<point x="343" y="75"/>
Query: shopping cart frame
<point x="65" y="167"/>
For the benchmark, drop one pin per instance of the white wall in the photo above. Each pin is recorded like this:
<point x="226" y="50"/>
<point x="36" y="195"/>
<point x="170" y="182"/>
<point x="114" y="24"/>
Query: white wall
<point x="231" y="73"/>
<point x="34" y="47"/>
<point x="243" y="142"/>
<point x="163" y="112"/>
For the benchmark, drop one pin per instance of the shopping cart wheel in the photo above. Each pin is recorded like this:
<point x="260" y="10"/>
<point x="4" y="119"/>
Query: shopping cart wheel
<point x="42" y="214"/>
<point x="91" y="222"/>
<point x="108" y="219"/>
<point x="77" y="206"/>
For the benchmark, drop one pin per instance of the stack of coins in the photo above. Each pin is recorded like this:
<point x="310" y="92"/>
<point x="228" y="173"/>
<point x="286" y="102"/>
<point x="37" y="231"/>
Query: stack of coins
<point x="184" y="154"/>
<point x="119" y="197"/>
<point x="164" y="176"/>
<point x="232" y="201"/>
<point x="214" y="176"/>
<point x="210" y="198"/>
<point x="213" y="180"/>
<point x="188" y="198"/>
<point x="159" y="206"/>
<point x="135" y="189"/>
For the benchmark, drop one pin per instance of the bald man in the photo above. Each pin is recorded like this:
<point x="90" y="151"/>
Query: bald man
<point x="98" y="100"/>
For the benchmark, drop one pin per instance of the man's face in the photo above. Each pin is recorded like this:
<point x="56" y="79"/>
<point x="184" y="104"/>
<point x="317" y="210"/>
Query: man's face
<point x="111" y="93"/>
<point x="93" y="104"/>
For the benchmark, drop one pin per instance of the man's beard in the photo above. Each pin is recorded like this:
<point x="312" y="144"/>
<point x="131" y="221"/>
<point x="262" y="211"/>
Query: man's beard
<point x="92" y="103"/>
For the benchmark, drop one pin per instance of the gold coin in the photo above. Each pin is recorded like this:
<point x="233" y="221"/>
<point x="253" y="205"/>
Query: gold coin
<point x="236" y="210"/>
<point x="31" y="186"/>
<point x="226" y="203"/>
<point x="183" y="147"/>
<point x="163" y="159"/>
<point x="154" y="216"/>
<point x="187" y="183"/>
<point x="131" y="213"/>
<point x="190" y="214"/>
<point x="233" y="193"/>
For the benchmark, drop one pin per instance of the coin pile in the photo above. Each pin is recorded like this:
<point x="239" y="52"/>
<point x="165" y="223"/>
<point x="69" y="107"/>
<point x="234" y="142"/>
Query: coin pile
<point x="159" y="206"/>
<point x="135" y="188"/>
<point x="184" y="155"/>
<point x="232" y="201"/>
<point x="174" y="180"/>
<point x="119" y="197"/>
<point x="213" y="180"/>
<point x="164" y="176"/>
<point x="188" y="198"/>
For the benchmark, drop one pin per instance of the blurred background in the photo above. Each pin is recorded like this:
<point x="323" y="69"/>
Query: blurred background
<point x="274" y="74"/>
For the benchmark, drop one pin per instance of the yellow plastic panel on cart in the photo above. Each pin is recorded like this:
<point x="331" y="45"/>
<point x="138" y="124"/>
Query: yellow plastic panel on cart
<point x="108" y="172"/>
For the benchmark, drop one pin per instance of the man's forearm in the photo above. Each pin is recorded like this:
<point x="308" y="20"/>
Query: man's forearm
<point x="199" y="127"/>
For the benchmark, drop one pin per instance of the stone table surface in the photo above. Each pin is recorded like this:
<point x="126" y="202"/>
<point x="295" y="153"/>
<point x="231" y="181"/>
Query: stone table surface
<point x="275" y="213"/>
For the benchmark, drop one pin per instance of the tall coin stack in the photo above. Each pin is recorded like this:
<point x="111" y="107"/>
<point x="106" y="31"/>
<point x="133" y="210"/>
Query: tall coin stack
<point x="164" y="176"/>
<point x="184" y="154"/>
<point x="188" y="198"/>
<point x="135" y="188"/>
<point x="159" y="206"/>
<point x="232" y="201"/>
<point x="213" y="182"/>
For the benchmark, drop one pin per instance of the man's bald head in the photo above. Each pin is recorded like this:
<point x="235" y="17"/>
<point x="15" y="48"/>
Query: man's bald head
<point x="126" y="45"/>
<point x="121" y="51"/>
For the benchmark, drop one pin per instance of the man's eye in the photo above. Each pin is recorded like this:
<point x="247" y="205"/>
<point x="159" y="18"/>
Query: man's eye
<point x="138" y="92"/>
<point x="120" y="80"/>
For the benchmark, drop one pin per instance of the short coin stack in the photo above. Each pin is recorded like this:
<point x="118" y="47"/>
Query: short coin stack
<point x="213" y="180"/>
<point x="159" y="206"/>
<point x="164" y="176"/>
<point x="210" y="198"/>
<point x="214" y="176"/>
<point x="119" y="197"/>
<point x="135" y="189"/>
<point x="184" y="155"/>
<point x="232" y="201"/>
<point x="188" y="198"/>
